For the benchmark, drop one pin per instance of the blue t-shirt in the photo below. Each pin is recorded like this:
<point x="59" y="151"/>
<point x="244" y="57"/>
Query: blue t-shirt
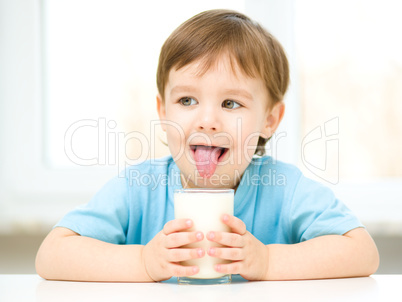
<point x="275" y="201"/>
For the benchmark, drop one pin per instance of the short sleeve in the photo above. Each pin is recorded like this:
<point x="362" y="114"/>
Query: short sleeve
<point x="315" y="211"/>
<point x="105" y="217"/>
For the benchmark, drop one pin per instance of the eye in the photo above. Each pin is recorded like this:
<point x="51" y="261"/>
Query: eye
<point x="229" y="104"/>
<point x="187" y="101"/>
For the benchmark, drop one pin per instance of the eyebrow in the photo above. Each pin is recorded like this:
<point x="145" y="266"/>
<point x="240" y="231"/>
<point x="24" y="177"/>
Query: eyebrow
<point x="239" y="92"/>
<point x="182" y="88"/>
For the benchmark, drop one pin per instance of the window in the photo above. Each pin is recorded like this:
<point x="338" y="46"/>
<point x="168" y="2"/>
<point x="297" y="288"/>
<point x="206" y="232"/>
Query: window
<point x="79" y="86"/>
<point x="349" y="58"/>
<point x="350" y="63"/>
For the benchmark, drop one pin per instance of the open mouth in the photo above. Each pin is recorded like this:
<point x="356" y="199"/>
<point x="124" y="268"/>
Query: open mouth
<point x="207" y="158"/>
<point x="213" y="153"/>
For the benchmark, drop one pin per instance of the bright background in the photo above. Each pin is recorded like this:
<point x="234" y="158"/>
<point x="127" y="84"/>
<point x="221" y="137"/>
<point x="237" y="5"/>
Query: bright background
<point x="77" y="103"/>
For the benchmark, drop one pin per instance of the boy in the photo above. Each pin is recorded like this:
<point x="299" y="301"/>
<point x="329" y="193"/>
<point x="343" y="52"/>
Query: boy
<point x="221" y="80"/>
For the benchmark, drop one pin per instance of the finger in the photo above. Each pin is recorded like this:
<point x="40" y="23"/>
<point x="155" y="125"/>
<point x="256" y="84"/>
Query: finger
<point x="182" y="238"/>
<point x="177" y="225"/>
<point x="236" y="224"/>
<point x="231" y="268"/>
<point x="233" y="254"/>
<point x="182" y="271"/>
<point x="227" y="239"/>
<point x="177" y="255"/>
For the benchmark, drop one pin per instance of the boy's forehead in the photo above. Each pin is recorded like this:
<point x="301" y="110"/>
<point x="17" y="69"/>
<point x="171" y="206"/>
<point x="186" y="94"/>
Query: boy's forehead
<point x="222" y="63"/>
<point x="187" y="77"/>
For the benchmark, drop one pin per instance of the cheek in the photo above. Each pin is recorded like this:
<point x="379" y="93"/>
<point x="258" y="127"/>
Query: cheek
<point x="249" y="145"/>
<point x="177" y="123"/>
<point x="175" y="138"/>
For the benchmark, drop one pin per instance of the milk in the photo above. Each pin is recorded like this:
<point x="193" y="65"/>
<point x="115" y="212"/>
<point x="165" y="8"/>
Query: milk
<point x="205" y="208"/>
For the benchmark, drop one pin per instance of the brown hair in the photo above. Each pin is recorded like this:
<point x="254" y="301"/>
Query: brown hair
<point x="212" y="33"/>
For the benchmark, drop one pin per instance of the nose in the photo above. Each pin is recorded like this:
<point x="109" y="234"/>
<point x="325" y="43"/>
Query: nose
<point x="208" y="119"/>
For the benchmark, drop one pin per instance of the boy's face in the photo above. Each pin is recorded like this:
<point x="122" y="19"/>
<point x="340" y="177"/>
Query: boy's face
<point x="213" y="122"/>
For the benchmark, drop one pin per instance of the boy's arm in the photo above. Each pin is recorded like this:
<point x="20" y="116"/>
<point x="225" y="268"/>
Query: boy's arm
<point x="65" y="255"/>
<point x="332" y="256"/>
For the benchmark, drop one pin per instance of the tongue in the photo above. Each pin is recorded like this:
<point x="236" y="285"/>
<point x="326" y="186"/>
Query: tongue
<point x="206" y="160"/>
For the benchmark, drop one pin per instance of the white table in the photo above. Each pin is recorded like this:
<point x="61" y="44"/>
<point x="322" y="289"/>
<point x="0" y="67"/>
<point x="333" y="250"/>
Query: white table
<point x="32" y="288"/>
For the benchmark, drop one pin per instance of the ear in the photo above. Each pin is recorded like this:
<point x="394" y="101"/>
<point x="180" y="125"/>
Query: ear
<point x="160" y="107"/>
<point x="273" y="119"/>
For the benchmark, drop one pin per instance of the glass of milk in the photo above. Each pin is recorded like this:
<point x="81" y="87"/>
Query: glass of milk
<point x="205" y="208"/>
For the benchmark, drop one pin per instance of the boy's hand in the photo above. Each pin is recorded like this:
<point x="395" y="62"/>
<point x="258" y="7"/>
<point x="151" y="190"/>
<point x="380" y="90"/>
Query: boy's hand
<point x="249" y="256"/>
<point x="161" y="255"/>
